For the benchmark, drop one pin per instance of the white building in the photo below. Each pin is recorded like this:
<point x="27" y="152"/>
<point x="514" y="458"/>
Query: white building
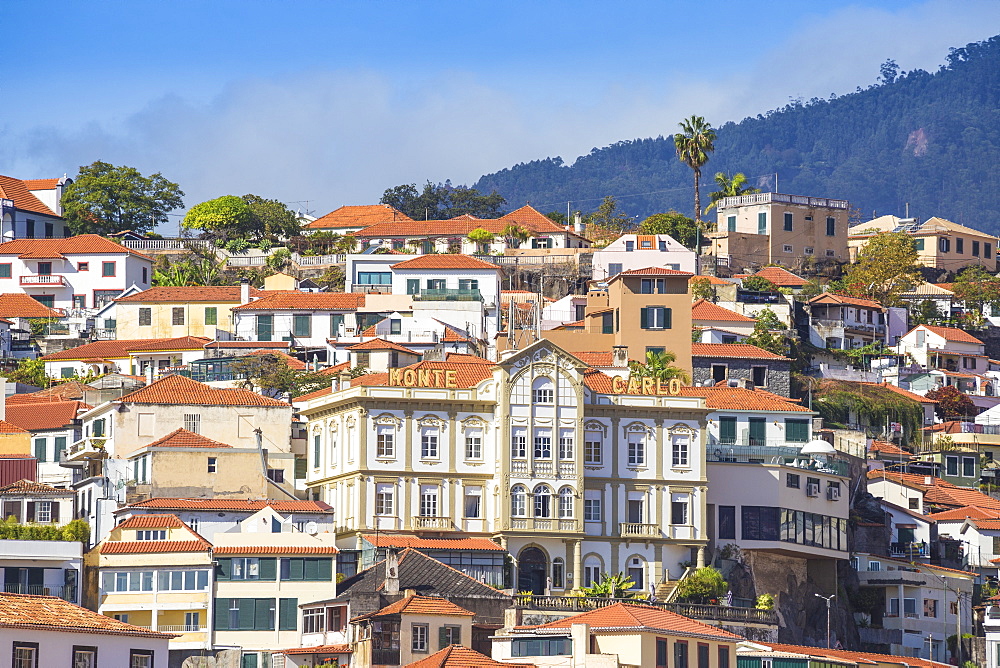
<point x="307" y="319"/>
<point x="32" y="208"/>
<point x="639" y="251"/>
<point x="42" y="568"/>
<point x="138" y="357"/>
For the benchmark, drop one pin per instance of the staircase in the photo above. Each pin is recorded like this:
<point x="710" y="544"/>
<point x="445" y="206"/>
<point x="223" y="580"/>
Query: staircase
<point x="666" y="590"/>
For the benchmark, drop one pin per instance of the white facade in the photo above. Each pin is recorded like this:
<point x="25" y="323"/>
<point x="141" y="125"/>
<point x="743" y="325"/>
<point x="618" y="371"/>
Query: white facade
<point x="35" y="216"/>
<point x="928" y="344"/>
<point x="56" y="648"/>
<point x="43" y="568"/>
<point x="417" y="332"/>
<point x="218" y="518"/>
<point x="308" y="328"/>
<point x="640" y="251"/>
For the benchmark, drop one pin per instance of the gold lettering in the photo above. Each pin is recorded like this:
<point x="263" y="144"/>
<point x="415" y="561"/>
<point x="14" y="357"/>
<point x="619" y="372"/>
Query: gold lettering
<point x="633" y="385"/>
<point x="395" y="376"/>
<point x="675" y="386"/>
<point x="617" y="385"/>
<point x="661" y="389"/>
<point x="451" y="379"/>
<point x="647" y="385"/>
<point x="437" y="378"/>
<point x="424" y="378"/>
<point x="409" y="377"/>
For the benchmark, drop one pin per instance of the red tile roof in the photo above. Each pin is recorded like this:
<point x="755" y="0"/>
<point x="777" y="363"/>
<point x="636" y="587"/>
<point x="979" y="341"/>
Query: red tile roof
<point x="248" y="344"/>
<point x="937" y="491"/>
<point x="633" y="616"/>
<point x="40" y="184"/>
<point x="831" y="298"/>
<point x="458" y="656"/>
<point x="178" y="343"/>
<point x="652" y="271"/>
<point x="293" y="363"/>
<point x="83" y="244"/>
<point x="887" y="448"/>
<point x="32" y="488"/>
<point x="315" y="394"/>
<point x="293" y="300"/>
<point x="110" y="350"/>
<point x="175" y="389"/>
<point x="462" y="358"/>
<point x="51" y="415"/>
<point x="364" y="215"/>
<point x="781" y="277"/>
<point x="69" y="391"/>
<point x="182" y="438"/>
<point x="18" y="191"/>
<point x="862" y="658"/>
<point x="595" y="357"/>
<point x="706" y="310"/>
<point x="960" y="514"/>
<point x="381" y="344"/>
<point x="319" y="649"/>
<point x="50" y="613"/>
<point x="419" y="543"/>
<point x="740" y="399"/>
<point x="20" y="305"/>
<point x="335" y="369"/>
<point x="952" y="334"/>
<point x="194" y="293"/>
<point x="714" y="280"/>
<point x="445" y="261"/>
<point x="167" y="503"/>
<point x="423" y="605"/>
<point x="742" y="350"/>
<point x="526" y="217"/>
<point x="152" y="522"/>
<point x="8" y="428"/>
<point x="275" y="549"/>
<point x="147" y="546"/>
<point x="986" y="524"/>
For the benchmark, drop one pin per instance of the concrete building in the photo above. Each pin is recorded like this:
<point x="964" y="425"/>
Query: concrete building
<point x="53" y="425"/>
<point x="42" y="568"/>
<point x="139" y="357"/>
<point x="740" y="365"/>
<point x="355" y="218"/>
<point x="32" y="208"/>
<point x="638" y="251"/>
<point x="170" y="312"/>
<point x="706" y="315"/>
<point x="940" y="243"/>
<point x="842" y="323"/>
<point x="307" y="319"/>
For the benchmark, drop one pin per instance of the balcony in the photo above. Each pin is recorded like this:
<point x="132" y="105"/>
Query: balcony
<point x="909" y="550"/>
<point x="780" y="198"/>
<point x="65" y="593"/>
<point x="753" y="297"/>
<point x="718" y="451"/>
<point x="639" y="530"/>
<point x="694" y="611"/>
<point x="43" y="280"/>
<point x="449" y="295"/>
<point x="85" y="448"/>
<point x="181" y="628"/>
<point x="432" y="523"/>
<point x="385" y="657"/>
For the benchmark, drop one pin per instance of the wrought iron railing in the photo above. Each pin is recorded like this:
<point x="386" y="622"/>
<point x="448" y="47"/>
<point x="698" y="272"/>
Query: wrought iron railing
<point x="691" y="610"/>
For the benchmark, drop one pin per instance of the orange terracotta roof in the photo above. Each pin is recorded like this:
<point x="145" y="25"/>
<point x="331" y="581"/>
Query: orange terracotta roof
<point x="18" y="191"/>
<point x="831" y="298"/>
<point x="148" y="546"/>
<point x="8" y="428"/>
<point x="714" y="280"/>
<point x="743" y="350"/>
<point x="69" y="391"/>
<point x="652" y="271"/>
<point x="526" y="217"/>
<point x="960" y="514"/>
<point x="294" y="363"/>
<point x="167" y="503"/>
<point x="630" y="615"/>
<point x="319" y="649"/>
<point x="887" y="448"/>
<point x="595" y="357"/>
<point x="901" y="391"/>
<point x="182" y="438"/>
<point x="741" y="399"/>
<point x="82" y="244"/>
<point x="462" y="358"/>
<point x="194" y="293"/>
<point x="423" y="605"/>
<point x="293" y="300"/>
<point x="175" y="389"/>
<point x="445" y="261"/>
<point x="381" y="344"/>
<point x="467" y="375"/>
<point x="50" y="613"/>
<point x="419" y="543"/>
<point x="857" y="657"/>
<point x="33" y="488"/>
<point x="571" y="325"/>
<point x="178" y="343"/>
<point x="335" y="369"/>
<point x="20" y="305"/>
<point x="781" y="277"/>
<point x="315" y="394"/>
<point x="986" y="524"/>
<point x="706" y="310"/>
<point x="110" y="350"/>
<point x="275" y="549"/>
<point x="40" y="184"/>
<point x="53" y="415"/>
<point x="959" y="497"/>
<point x="152" y="522"/>
<point x="952" y="334"/>
<point x="248" y="344"/>
<point x="364" y="215"/>
<point x="458" y="656"/>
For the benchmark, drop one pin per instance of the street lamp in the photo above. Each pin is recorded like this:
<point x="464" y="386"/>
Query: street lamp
<point x="828" y="600"/>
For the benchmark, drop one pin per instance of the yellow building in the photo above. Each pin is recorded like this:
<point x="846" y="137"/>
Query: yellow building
<point x="940" y="243"/>
<point x="169" y="312"/>
<point x="156" y="572"/>
<point x="14" y="440"/>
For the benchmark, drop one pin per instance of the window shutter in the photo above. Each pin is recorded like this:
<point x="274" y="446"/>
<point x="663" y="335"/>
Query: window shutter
<point x="296" y="569"/>
<point x="288" y="609"/>
<point x="224" y="570"/>
<point x="311" y="569"/>
<point x="727" y="429"/>
<point x="262" y="614"/>
<point x="246" y="615"/>
<point x="644" y="318"/>
<point x="325" y="570"/>
<point x="442" y="637"/>
<point x="55" y="512"/>
<point x="31" y="512"/>
<point x="268" y="568"/>
<point x="222" y="614"/>
<point x="668" y="318"/>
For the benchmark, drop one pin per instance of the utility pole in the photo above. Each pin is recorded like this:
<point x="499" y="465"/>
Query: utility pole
<point x="828" y="600"/>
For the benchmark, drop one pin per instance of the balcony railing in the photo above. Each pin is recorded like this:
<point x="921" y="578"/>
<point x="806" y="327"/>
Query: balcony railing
<point x="908" y="549"/>
<point x="86" y="448"/>
<point x="449" y="295"/>
<point x="639" y="530"/>
<point x="439" y="523"/>
<point x="43" y="279"/>
<point x="181" y="628"/>
<point x="65" y="593"/>
<point x="691" y="610"/>
<point x="785" y="456"/>
<point x="768" y="198"/>
<point x="751" y="297"/>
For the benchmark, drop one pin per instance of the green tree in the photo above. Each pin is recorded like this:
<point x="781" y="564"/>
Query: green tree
<point x="812" y="288"/>
<point x="271" y="375"/>
<point x="515" y="235"/>
<point x="976" y="287"/>
<point x="104" y="199"/>
<point x="926" y="313"/>
<point x="702" y="288"/>
<point x="29" y="372"/>
<point x="759" y="284"/>
<point x="610" y="217"/>
<point x="618" y="585"/>
<point x="767" y="333"/>
<point x="679" y="227"/>
<point x="704" y="585"/>
<point x="693" y="144"/>
<point x="557" y="217"/>
<point x="236" y="223"/>
<point x="271" y="219"/>
<point x="952" y="403"/>
<point x="729" y="187"/>
<point x="885" y="268"/>
<point x="442" y="201"/>
<point x="197" y="270"/>
<point x="659" y="366"/>
<point x="482" y="238"/>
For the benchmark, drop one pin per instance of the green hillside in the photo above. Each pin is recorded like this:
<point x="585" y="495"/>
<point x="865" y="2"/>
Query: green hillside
<point x="932" y="140"/>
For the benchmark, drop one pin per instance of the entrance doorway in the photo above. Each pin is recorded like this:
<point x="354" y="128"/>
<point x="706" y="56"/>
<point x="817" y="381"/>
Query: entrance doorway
<point x="532" y="569"/>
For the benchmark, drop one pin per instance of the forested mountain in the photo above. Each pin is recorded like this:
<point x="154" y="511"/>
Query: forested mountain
<point x="932" y="140"/>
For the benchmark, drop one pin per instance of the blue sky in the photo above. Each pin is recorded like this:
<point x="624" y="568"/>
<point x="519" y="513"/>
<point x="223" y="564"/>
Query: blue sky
<point x="333" y="102"/>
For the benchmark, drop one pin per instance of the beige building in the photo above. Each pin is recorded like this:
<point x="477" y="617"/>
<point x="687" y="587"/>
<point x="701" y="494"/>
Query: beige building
<point x="774" y="228"/>
<point x="940" y="243"/>
<point x="171" y="312"/>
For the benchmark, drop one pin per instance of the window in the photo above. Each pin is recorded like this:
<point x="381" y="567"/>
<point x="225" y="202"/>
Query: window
<point x="29" y="229"/>
<point x="375" y="278"/>
<point x="43" y="512"/>
<point x="182" y="580"/>
<point x="930" y="607"/>
<point x="192" y="422"/>
<point x="413" y="286"/>
<point x="796" y="431"/>
<point x="792" y="480"/>
<point x="121" y="617"/>
<point x="592" y="510"/>
<point x="678" y="512"/>
<point x="968" y="467"/>
<point x="959" y="245"/>
<point x="543" y="501"/>
<point x="213" y="464"/>
<point x="762" y="223"/>
<point x="655" y="317"/>
<point x="518" y="501"/>
<point x="436" y="284"/>
<point x="519" y="443"/>
<point x="719" y="372"/>
<point x="140" y="658"/>
<point x="468" y="284"/>
<point x="788" y="221"/>
<point x="592" y="448"/>
<point x="474" y="444"/>
<point x="84" y="657"/>
<point x="808" y="250"/>
<point x="703" y="655"/>
<point x="680" y="654"/>
<point x="145" y="275"/>
<point x="731" y="223"/>
<point x="831" y="226"/>
<point x="429" y="443"/>
<point x="248" y="568"/>
<point x="758" y="375"/>
<point x="614" y="268"/>
<point x="177" y="315"/>
<point x="211" y="315"/>
<point x="40" y="449"/>
<point x="313" y="621"/>
<point x="336" y="324"/>
<point x="395" y="326"/>
<point x="543" y="444"/>
<point x="542" y="391"/>
<point x="541" y="646"/>
<point x="122" y="581"/>
<point x="305" y="569"/>
<point x="566" y="503"/>
<point x="591" y="574"/>
<point x="558" y="569"/>
<point x="449" y="635"/>
<point x="646" y="243"/>
<point x="944" y="244"/>
<point x="787" y="248"/>
<point x="918" y="244"/>
<point x="276" y="475"/>
<point x="107" y="269"/>
<point x="608" y="323"/>
<point x="5" y="270"/>
<point x="987" y="251"/>
<point x="541" y="242"/>
<point x="474" y="503"/>
<point x="680" y="451"/>
<point x="635" y="511"/>
<point x="727" y="522"/>
<point x="429" y="502"/>
<point x="913" y="503"/>
<point x="565" y="444"/>
<point x="25" y="654"/>
<point x="79" y="301"/>
<point x="637" y="572"/>
<point x="385" y="497"/>
<point x="419" y="637"/>
<point x="651" y="286"/>
<point x="60" y="448"/>
<point x="830" y="252"/>
<point x="951" y="465"/>
<point x="151" y="534"/>
<point x="629" y="246"/>
<point x="385" y="442"/>
<point x="636" y="450"/>
<point x="301" y="325"/>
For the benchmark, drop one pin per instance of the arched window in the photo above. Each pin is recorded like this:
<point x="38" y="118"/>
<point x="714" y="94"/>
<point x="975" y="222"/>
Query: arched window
<point x="558" y="571"/>
<point x="637" y="572"/>
<point x="518" y="501"/>
<point x="542" y="391"/>
<point x="592" y="569"/>
<point x="566" y="502"/>
<point x="543" y="501"/>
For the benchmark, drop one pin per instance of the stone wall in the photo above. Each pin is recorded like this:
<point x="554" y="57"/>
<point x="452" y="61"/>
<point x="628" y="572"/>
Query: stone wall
<point x="778" y="372"/>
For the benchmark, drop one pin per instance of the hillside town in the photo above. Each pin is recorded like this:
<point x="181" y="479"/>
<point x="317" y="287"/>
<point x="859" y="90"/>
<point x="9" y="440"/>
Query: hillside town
<point x="509" y="441"/>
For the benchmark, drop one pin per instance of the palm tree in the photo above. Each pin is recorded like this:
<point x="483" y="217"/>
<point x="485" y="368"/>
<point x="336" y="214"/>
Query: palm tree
<point x="729" y="187"/>
<point x="515" y="235"/>
<point x="658" y="366"/>
<point x="693" y="145"/>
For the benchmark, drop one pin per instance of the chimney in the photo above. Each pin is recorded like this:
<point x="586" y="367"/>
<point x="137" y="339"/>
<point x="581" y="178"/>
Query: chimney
<point x="335" y="384"/>
<point x="581" y="642"/>
<point x="928" y="480"/>
<point x="619" y="356"/>
<point x="149" y="374"/>
<point x="578" y="223"/>
<point x="244" y="291"/>
<point x="345" y="380"/>
<point x="391" y="572"/>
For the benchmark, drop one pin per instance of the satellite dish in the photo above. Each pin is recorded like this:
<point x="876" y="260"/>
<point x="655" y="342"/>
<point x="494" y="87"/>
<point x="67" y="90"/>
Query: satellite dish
<point x="818" y="447"/>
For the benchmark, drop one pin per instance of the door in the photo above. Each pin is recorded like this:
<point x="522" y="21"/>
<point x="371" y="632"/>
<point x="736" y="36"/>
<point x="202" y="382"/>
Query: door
<point x="44" y="268"/>
<point x="265" y="329"/>
<point x="531" y="571"/>
<point x="727" y="430"/>
<point x="758" y="431"/>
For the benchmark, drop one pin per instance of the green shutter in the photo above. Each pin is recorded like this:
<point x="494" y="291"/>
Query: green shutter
<point x="60" y="447"/>
<point x="268" y="568"/>
<point x="727" y="429"/>
<point x="295" y="569"/>
<point x="249" y="660"/>
<point x="262" y="613"/>
<point x="442" y="637"/>
<point x="246" y="615"/>
<point x="324" y="569"/>
<point x="40" y="449"/>
<point x="668" y="318"/>
<point x="288" y="612"/>
<point x="224" y="569"/>
<point x="301" y="468"/>
<point x="336" y="321"/>
<point x="796" y="430"/>
<point x="644" y="318"/>
<point x="311" y="569"/>
<point x="211" y="315"/>
<point x="222" y="614"/>
<point x="762" y="223"/>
